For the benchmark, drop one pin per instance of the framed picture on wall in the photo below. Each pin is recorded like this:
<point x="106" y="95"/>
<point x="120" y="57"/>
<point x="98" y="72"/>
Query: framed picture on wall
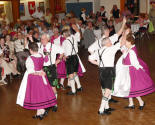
<point x="22" y="9"/>
<point x="42" y="7"/>
<point x="1" y="9"/>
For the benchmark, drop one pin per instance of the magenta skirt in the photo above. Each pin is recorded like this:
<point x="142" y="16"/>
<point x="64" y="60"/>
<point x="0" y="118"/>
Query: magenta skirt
<point x="141" y="82"/>
<point x="38" y="95"/>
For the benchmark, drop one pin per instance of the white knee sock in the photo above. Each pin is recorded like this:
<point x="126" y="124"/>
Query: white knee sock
<point x="103" y="91"/>
<point x="77" y="81"/>
<point x="62" y="81"/>
<point x="107" y="102"/>
<point x="68" y="82"/>
<point x="56" y="95"/>
<point x="103" y="103"/>
<point x="141" y="102"/>
<point x="72" y="82"/>
<point x="40" y="111"/>
<point x="131" y="102"/>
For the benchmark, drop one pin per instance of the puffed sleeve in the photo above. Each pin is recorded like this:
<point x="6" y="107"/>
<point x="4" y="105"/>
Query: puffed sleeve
<point x="30" y="65"/>
<point x="134" y="60"/>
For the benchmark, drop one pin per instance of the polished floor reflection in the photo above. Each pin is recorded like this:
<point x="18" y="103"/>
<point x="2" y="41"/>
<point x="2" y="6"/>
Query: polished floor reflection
<point x="82" y="109"/>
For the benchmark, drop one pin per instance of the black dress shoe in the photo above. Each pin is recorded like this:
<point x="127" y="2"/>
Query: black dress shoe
<point x="35" y="117"/>
<point x="46" y="113"/>
<point x="110" y="109"/>
<point x="79" y="89"/>
<point x="112" y="100"/>
<point x="141" y="107"/>
<point x="105" y="112"/>
<point x="54" y="108"/>
<point x="38" y="116"/>
<point x="130" y="107"/>
<point x="62" y="87"/>
<point x="71" y="93"/>
<point x="68" y="87"/>
<point x="41" y="116"/>
<point x="6" y="80"/>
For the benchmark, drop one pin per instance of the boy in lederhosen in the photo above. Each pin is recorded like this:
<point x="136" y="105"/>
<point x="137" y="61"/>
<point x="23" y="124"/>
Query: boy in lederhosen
<point x="70" y="46"/>
<point x="104" y="58"/>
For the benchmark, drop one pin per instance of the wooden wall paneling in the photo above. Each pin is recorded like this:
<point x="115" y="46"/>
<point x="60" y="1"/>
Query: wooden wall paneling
<point x="122" y="5"/>
<point x="15" y="10"/>
<point x="52" y="6"/>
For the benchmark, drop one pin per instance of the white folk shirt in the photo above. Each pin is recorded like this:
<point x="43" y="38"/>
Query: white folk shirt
<point x="67" y="46"/>
<point x="57" y="41"/>
<point x="108" y="55"/>
<point x="38" y="15"/>
<point x="19" y="45"/>
<point x="97" y="44"/>
<point x="54" y="51"/>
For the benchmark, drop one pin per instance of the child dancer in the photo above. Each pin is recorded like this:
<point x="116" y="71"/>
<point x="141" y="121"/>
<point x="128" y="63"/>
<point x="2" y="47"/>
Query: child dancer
<point x="104" y="58"/>
<point x="139" y="82"/>
<point x="70" y="46"/>
<point x="61" y="67"/>
<point x="35" y="92"/>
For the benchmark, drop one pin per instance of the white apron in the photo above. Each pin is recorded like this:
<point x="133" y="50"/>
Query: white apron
<point x="122" y="80"/>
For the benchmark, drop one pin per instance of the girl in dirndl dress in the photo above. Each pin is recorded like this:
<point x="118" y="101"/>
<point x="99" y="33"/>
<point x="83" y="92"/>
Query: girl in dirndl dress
<point x="135" y="76"/>
<point x="35" y="92"/>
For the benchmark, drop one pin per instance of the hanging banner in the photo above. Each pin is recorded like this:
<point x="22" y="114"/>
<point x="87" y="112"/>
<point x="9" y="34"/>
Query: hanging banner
<point x="31" y="7"/>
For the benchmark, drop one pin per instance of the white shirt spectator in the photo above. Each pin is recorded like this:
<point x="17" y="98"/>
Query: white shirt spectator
<point x="19" y="45"/>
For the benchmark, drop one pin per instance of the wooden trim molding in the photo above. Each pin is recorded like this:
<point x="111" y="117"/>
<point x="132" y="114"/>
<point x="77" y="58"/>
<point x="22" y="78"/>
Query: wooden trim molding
<point x="122" y="5"/>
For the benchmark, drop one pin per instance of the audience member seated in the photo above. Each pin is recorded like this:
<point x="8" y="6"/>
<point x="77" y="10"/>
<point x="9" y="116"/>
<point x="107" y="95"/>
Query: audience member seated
<point x="115" y="12"/>
<point x="48" y="17"/>
<point x="6" y="62"/>
<point x="20" y="53"/>
<point x="111" y="27"/>
<point x="88" y="35"/>
<point x="100" y="22"/>
<point x="126" y="13"/>
<point x="104" y="14"/>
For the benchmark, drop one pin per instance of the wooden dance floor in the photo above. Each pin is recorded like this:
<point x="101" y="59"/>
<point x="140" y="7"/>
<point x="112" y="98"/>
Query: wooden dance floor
<point x="82" y="108"/>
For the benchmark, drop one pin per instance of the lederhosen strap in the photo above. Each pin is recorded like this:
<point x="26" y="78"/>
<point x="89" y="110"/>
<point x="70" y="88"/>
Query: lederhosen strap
<point x="99" y="44"/>
<point x="73" y="48"/>
<point x="100" y="57"/>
